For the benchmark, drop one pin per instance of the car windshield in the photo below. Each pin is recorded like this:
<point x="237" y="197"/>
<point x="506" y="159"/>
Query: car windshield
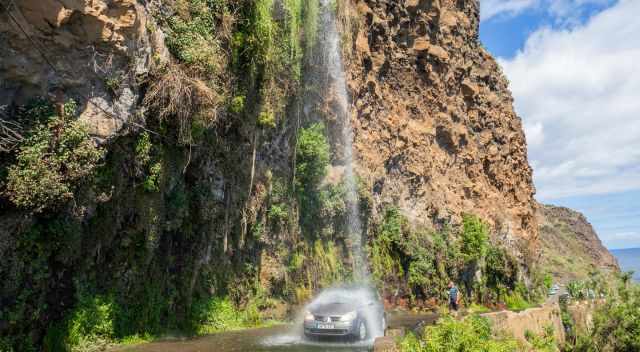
<point x="349" y="295"/>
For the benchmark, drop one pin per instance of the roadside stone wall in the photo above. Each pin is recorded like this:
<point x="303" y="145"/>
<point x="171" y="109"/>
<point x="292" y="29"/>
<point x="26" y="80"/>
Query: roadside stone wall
<point x="534" y="320"/>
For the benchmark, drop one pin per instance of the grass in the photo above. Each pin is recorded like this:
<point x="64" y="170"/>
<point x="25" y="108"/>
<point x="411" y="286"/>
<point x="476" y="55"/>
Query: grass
<point x="179" y="99"/>
<point x="475" y="308"/>
<point x="515" y="302"/>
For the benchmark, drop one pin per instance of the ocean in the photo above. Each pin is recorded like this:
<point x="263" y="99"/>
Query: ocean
<point x="629" y="260"/>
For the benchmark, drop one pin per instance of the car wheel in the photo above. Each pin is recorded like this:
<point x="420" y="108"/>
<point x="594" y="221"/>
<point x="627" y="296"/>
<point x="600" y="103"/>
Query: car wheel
<point x="362" y="331"/>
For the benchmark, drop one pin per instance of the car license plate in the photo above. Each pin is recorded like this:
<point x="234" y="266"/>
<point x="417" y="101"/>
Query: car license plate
<point x="325" y="326"/>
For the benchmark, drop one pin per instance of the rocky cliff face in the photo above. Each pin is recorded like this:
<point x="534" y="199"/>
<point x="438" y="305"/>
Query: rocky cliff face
<point x="435" y="127"/>
<point x="570" y="247"/>
<point x="166" y="223"/>
<point x="92" y="51"/>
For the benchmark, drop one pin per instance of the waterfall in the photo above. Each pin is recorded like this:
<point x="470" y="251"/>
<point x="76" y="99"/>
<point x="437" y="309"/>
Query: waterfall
<point x="332" y="65"/>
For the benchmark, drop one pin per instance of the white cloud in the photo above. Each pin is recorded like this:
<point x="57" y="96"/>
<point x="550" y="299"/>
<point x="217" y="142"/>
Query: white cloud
<point x="535" y="133"/>
<point x="564" y="12"/>
<point x="492" y="8"/>
<point x="578" y="92"/>
<point x="622" y="240"/>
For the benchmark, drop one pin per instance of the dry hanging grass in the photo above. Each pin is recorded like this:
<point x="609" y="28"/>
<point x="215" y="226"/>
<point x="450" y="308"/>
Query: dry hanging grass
<point x="174" y="94"/>
<point x="10" y="135"/>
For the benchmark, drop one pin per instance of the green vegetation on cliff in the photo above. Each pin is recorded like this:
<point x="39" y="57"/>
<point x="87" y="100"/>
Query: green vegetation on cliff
<point x="53" y="161"/>
<point x="427" y="260"/>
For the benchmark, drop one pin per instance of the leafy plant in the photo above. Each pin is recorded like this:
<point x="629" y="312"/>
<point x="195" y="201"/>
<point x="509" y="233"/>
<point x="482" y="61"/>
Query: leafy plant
<point x="113" y="84"/>
<point x="216" y="314"/>
<point x="616" y="324"/>
<point x="237" y="104"/>
<point x="546" y="342"/>
<point x="91" y="323"/>
<point x="475" y="237"/>
<point x="152" y="181"/>
<point x="468" y="335"/>
<point x="547" y="281"/>
<point x="516" y="302"/>
<point x="149" y="162"/>
<point x="191" y="36"/>
<point x="51" y="163"/>
<point x="267" y="119"/>
<point x="501" y="270"/>
<point x="312" y="156"/>
<point x="576" y="289"/>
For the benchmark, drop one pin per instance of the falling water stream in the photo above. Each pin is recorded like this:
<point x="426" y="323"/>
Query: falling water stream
<point x="329" y="45"/>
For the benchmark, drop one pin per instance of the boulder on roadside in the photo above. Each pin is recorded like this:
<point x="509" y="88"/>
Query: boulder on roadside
<point x="385" y="344"/>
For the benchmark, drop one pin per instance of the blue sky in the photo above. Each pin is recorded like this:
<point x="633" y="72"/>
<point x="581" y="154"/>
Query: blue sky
<point x="574" y="70"/>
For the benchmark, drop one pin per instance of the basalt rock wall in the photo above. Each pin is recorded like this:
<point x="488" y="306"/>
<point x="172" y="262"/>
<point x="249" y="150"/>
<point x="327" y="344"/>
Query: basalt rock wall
<point x="435" y="128"/>
<point x="95" y="52"/>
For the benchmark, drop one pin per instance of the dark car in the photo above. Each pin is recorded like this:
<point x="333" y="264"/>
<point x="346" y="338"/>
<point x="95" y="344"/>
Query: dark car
<point x="346" y="311"/>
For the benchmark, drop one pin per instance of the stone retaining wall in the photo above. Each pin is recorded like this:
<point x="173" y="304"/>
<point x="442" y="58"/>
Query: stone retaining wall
<point x="535" y="320"/>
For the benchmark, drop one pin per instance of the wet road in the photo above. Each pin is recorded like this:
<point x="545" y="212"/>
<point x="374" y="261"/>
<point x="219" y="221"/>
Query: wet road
<point x="283" y="338"/>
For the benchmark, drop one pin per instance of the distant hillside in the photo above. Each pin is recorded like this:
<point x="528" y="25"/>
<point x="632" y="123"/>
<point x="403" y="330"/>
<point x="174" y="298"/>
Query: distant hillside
<point x="569" y="246"/>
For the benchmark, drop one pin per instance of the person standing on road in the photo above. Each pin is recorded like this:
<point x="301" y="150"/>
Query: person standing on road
<point x="454" y="296"/>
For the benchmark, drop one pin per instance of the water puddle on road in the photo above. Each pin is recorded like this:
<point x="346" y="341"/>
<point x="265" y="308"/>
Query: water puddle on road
<point x="282" y="338"/>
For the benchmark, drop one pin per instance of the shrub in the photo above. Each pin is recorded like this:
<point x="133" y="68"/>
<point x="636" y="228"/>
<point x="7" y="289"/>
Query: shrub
<point x="296" y="261"/>
<point x="547" y="281"/>
<point x="424" y="260"/>
<point x="152" y="181"/>
<point x="149" y="162"/>
<point x="113" y="84"/>
<point x="545" y="342"/>
<point x="384" y="261"/>
<point x="51" y="163"/>
<point x="469" y="335"/>
<point x="5" y="345"/>
<point x="267" y="119"/>
<point x="313" y="156"/>
<point x="216" y="314"/>
<point x="91" y="323"/>
<point x="475" y="237"/>
<point x="616" y="325"/>
<point x="501" y="270"/>
<point x="191" y="36"/>
<point x="237" y="104"/>
<point x="278" y="214"/>
<point x="516" y="302"/>
<point x="576" y="289"/>
<point x="143" y="149"/>
<point x="312" y="160"/>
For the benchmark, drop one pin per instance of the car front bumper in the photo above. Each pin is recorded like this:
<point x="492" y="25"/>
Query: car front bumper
<point x="339" y="328"/>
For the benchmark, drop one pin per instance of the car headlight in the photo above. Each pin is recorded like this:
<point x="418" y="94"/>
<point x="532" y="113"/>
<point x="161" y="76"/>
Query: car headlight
<point x="308" y="316"/>
<point x="349" y="316"/>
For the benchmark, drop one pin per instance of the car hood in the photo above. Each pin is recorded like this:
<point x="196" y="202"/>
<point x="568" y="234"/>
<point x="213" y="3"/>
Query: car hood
<point x="333" y="309"/>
